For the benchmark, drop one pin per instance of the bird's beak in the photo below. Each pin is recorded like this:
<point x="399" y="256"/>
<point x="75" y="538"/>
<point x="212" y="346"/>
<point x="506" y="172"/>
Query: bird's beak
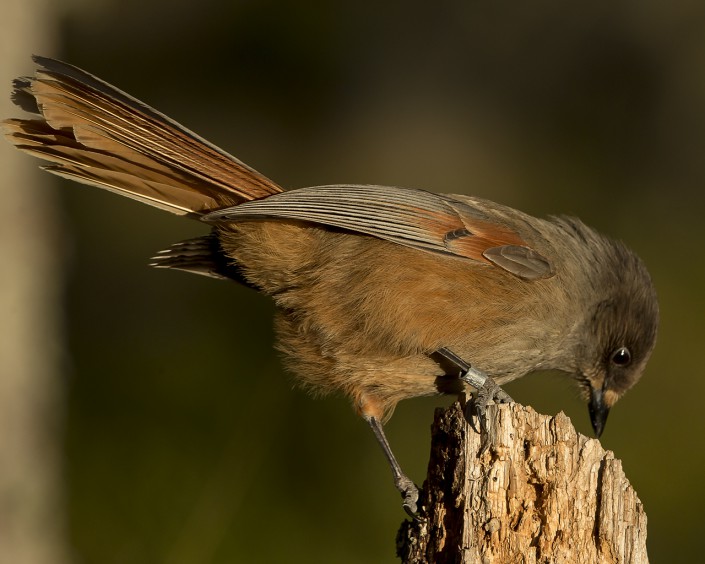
<point x="598" y="411"/>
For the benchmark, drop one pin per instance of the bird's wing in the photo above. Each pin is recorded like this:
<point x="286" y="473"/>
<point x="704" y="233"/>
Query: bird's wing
<point x="410" y="217"/>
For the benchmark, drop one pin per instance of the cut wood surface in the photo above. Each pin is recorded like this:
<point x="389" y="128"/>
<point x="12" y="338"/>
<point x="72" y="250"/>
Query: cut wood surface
<point x="541" y="492"/>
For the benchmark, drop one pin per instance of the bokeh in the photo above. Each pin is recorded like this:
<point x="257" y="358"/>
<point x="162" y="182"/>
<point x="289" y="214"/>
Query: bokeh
<point x="184" y="441"/>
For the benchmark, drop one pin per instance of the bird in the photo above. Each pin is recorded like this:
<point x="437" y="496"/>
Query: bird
<point x="382" y="293"/>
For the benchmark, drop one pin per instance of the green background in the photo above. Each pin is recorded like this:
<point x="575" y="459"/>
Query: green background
<point x="184" y="441"/>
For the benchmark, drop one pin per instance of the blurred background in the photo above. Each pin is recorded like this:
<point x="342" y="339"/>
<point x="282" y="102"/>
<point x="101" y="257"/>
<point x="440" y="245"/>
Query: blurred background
<point x="144" y="416"/>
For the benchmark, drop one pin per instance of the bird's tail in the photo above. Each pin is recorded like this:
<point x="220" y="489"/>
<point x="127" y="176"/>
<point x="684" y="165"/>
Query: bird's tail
<point x="92" y="132"/>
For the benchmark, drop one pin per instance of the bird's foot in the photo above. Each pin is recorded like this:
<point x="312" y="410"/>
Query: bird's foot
<point x="488" y="392"/>
<point x="410" y="495"/>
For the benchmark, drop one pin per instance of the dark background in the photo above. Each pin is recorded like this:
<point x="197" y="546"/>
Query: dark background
<point x="184" y="441"/>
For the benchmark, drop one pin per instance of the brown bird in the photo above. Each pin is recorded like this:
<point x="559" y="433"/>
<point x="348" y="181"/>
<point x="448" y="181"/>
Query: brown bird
<point x="383" y="293"/>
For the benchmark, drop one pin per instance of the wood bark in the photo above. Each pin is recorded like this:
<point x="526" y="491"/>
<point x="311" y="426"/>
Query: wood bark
<point x="540" y="493"/>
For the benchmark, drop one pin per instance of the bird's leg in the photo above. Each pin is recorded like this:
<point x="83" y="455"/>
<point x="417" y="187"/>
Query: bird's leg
<point x="408" y="490"/>
<point x="487" y="390"/>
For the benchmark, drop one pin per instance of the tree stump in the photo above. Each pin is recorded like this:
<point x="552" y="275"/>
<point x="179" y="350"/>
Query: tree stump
<point x="540" y="493"/>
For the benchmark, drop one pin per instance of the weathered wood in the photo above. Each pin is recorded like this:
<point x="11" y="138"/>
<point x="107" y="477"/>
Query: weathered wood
<point x="540" y="493"/>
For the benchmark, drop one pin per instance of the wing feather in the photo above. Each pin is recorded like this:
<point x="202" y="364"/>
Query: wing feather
<point x="414" y="218"/>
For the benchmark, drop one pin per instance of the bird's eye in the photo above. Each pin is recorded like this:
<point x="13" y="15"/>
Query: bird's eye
<point x="621" y="357"/>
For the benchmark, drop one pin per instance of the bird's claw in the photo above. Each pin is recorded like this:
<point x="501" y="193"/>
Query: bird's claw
<point x="488" y="392"/>
<point x="410" y="495"/>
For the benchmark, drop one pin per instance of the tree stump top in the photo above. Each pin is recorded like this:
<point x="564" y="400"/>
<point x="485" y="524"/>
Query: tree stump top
<point x="540" y="493"/>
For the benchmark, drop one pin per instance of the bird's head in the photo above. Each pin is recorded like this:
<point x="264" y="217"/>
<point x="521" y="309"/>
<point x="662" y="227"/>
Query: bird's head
<point x="618" y="336"/>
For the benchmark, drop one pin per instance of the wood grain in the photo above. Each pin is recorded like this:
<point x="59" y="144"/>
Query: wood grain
<point x="540" y="493"/>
